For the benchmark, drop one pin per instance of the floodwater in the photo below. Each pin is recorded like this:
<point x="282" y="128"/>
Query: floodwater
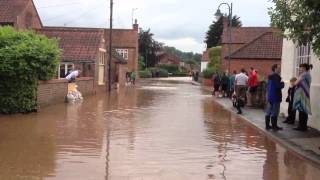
<point x="159" y="130"/>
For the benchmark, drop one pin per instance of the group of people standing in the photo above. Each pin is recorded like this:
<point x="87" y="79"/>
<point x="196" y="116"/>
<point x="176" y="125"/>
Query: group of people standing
<point x="298" y="98"/>
<point x="240" y="87"/>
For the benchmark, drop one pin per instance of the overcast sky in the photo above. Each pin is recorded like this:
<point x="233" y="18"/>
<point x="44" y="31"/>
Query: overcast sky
<point x="179" y="23"/>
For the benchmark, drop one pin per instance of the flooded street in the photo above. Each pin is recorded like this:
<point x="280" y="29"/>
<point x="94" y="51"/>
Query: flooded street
<point x="159" y="130"/>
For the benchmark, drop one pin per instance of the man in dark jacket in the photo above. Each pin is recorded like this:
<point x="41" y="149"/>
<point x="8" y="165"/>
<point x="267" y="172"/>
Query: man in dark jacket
<point x="275" y="85"/>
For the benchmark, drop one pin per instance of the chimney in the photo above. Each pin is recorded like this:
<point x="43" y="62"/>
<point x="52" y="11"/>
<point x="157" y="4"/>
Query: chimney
<point x="225" y="22"/>
<point x="136" y="25"/>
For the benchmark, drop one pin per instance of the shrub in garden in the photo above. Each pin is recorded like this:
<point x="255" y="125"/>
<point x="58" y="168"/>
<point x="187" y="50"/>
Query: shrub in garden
<point x="145" y="74"/>
<point x="171" y="68"/>
<point x="25" y="58"/>
<point x="158" y="72"/>
<point x="207" y="73"/>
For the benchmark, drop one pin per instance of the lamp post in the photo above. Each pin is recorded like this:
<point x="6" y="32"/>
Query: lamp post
<point x="110" y="46"/>
<point x="132" y="14"/>
<point x="218" y="14"/>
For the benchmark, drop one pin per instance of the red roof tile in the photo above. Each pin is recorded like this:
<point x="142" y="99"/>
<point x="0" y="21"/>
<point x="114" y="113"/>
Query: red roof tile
<point x="266" y="46"/>
<point x="243" y="35"/>
<point x="78" y="44"/>
<point x="10" y="9"/>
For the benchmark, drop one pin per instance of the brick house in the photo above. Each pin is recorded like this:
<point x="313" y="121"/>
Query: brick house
<point x="21" y="14"/>
<point x="167" y="58"/>
<point x="82" y="48"/>
<point x="258" y="47"/>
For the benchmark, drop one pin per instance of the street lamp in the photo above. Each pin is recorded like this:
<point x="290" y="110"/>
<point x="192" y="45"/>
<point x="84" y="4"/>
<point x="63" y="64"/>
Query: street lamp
<point x="218" y="15"/>
<point x="132" y="14"/>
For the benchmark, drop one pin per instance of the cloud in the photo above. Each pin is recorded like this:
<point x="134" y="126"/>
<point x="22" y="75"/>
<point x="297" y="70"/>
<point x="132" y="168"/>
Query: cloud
<point x="171" y="20"/>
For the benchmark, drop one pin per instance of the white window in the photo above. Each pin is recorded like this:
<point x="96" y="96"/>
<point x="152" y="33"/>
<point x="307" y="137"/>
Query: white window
<point x="124" y="53"/>
<point x="303" y="55"/>
<point x="64" y="69"/>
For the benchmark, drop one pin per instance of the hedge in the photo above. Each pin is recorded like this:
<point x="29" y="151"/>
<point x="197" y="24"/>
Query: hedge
<point x="158" y="72"/>
<point x="207" y="73"/>
<point x="25" y="58"/>
<point x="145" y="74"/>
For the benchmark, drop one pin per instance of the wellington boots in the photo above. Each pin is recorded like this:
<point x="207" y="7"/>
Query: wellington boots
<point x="267" y="120"/>
<point x="274" y="121"/>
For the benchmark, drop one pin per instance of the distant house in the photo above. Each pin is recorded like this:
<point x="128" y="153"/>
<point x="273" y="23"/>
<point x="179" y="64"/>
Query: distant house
<point x="82" y="48"/>
<point x="167" y="58"/>
<point x="258" y="47"/>
<point x="21" y="14"/>
<point x="292" y="56"/>
<point x="205" y="60"/>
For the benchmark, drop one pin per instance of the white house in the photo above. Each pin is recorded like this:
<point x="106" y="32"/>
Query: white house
<point x="292" y="57"/>
<point x="204" y="60"/>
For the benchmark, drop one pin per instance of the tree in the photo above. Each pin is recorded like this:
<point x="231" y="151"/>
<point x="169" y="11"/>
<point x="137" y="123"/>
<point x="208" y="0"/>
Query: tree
<point x="215" y="58"/>
<point x="299" y="20"/>
<point x="184" y="56"/>
<point x="213" y="37"/>
<point x="25" y="58"/>
<point x="148" y="47"/>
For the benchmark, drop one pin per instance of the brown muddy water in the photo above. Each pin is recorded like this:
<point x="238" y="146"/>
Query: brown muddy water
<point x="159" y="130"/>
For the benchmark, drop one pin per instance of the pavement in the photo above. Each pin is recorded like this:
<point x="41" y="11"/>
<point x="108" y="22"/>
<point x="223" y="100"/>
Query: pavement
<point x="304" y="144"/>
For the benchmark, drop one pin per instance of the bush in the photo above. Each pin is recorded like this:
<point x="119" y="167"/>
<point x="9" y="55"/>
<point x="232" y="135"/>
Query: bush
<point x="25" y="58"/>
<point x="215" y="58"/>
<point x="145" y="74"/>
<point x="207" y="73"/>
<point x="159" y="72"/>
<point x="171" y="68"/>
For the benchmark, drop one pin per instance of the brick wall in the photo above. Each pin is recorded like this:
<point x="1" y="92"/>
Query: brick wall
<point x="50" y="92"/>
<point x="29" y="18"/>
<point x="263" y="66"/>
<point x="86" y="86"/>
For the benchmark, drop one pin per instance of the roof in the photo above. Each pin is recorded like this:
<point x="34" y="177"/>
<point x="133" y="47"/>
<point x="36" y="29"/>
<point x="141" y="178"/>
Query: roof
<point x="78" y="44"/>
<point x="242" y="35"/>
<point x="10" y="9"/>
<point x="205" y="56"/>
<point x="265" y="46"/>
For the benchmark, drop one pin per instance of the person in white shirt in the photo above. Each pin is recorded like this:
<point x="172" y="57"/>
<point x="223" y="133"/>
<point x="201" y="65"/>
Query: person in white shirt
<point x="241" y="84"/>
<point x="73" y="75"/>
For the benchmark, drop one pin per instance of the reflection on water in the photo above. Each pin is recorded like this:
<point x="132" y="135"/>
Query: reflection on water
<point x="159" y="130"/>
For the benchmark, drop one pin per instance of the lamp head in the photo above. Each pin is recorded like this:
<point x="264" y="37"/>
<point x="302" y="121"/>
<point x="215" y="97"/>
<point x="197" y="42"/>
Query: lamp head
<point x="218" y="14"/>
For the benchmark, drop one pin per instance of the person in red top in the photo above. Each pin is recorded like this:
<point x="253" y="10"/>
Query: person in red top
<point x="253" y="86"/>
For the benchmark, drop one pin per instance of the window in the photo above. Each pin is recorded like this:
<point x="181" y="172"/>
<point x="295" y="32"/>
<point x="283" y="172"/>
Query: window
<point x="101" y="73"/>
<point x="124" y="53"/>
<point x="303" y="55"/>
<point x="64" y="69"/>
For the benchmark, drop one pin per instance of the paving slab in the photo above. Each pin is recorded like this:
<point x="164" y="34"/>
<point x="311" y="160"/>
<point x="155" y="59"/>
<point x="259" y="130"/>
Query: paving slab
<point x="304" y="144"/>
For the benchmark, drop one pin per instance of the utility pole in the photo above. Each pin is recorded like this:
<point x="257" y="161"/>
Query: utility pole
<point x="110" y="46"/>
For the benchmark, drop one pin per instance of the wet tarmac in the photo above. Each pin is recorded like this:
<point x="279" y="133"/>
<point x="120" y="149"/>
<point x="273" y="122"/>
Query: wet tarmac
<point x="159" y="130"/>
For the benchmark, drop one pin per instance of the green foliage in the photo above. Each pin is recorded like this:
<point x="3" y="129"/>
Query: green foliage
<point x="159" y="72"/>
<point x="148" y="47"/>
<point x="299" y="20"/>
<point x="25" y="58"/>
<point x="141" y="64"/>
<point x="171" y="68"/>
<point x="213" y="37"/>
<point x="215" y="58"/>
<point x="182" y="55"/>
<point x="145" y="74"/>
<point x="207" y="73"/>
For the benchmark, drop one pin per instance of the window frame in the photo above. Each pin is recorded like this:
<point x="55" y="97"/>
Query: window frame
<point x="302" y="55"/>
<point x="66" y="64"/>
<point x="123" y="53"/>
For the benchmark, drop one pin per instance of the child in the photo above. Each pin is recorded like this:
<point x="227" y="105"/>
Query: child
<point x="291" y="112"/>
